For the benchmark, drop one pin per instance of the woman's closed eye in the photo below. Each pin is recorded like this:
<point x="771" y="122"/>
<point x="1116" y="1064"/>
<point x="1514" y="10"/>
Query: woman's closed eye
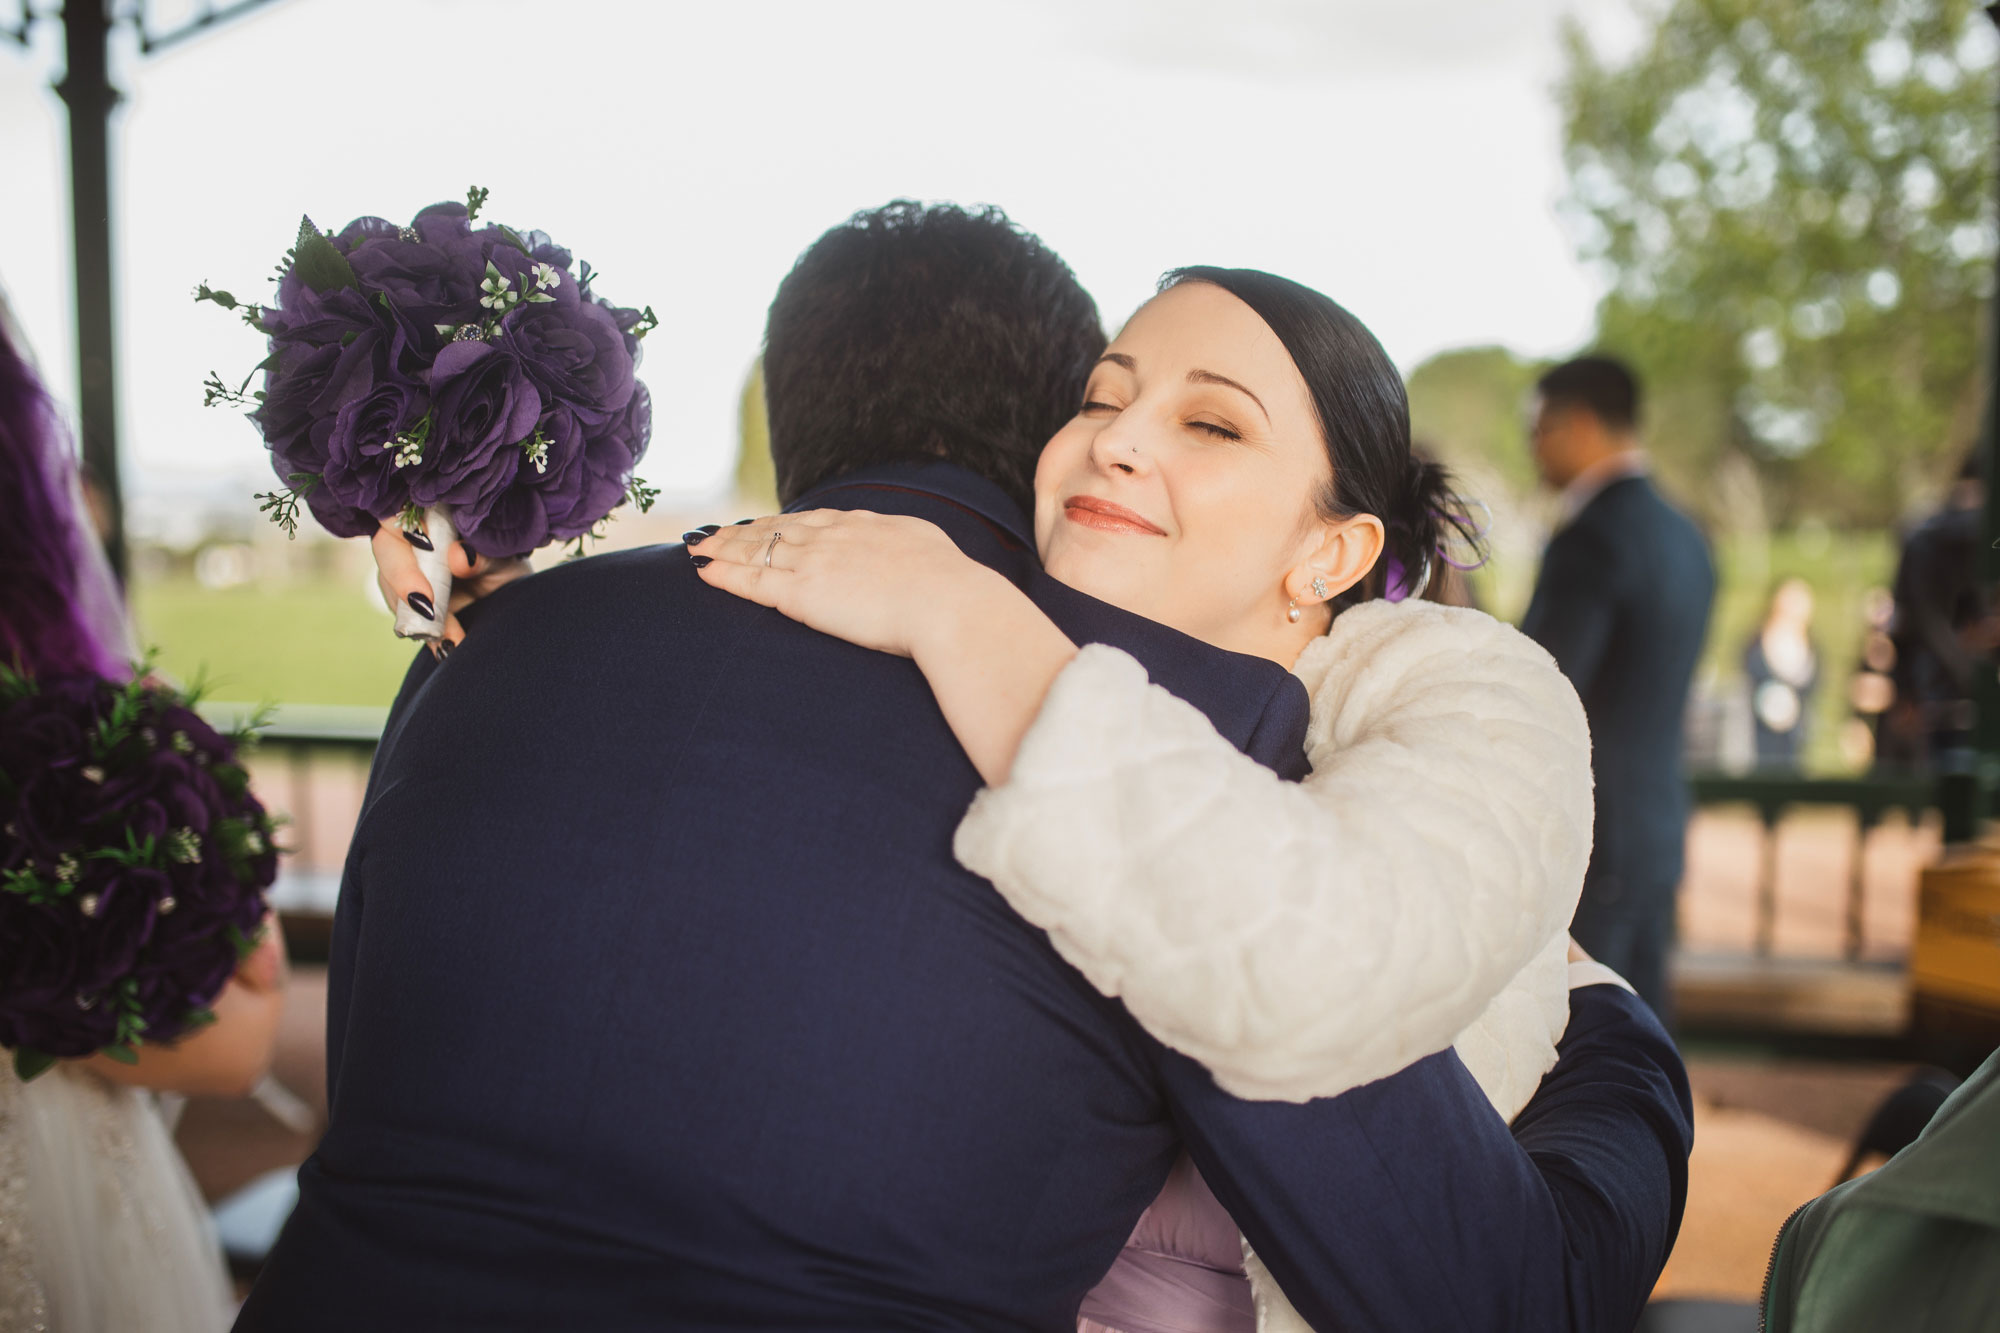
<point x="1091" y="405"/>
<point x="1215" y="430"/>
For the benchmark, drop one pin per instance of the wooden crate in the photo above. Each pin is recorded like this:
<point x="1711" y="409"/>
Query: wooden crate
<point x="1956" y="952"/>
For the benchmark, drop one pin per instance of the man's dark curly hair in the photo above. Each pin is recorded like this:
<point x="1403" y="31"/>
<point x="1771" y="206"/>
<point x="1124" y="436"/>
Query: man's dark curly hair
<point x="914" y="332"/>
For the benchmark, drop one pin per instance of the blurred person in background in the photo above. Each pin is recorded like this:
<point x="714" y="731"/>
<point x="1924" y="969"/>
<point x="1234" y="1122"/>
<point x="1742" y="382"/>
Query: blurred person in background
<point x="1939" y="630"/>
<point x="101" y="1227"/>
<point x="1871" y="691"/>
<point x="1622" y="603"/>
<point x="1782" y="668"/>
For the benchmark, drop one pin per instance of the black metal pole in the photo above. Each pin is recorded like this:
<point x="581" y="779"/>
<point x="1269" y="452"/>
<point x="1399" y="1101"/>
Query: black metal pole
<point x="86" y="89"/>
<point x="1989" y="449"/>
<point x="1965" y="798"/>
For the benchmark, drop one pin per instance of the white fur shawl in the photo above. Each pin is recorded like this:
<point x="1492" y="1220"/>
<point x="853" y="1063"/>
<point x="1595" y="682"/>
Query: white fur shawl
<point x="1303" y="939"/>
<point x="1299" y="940"/>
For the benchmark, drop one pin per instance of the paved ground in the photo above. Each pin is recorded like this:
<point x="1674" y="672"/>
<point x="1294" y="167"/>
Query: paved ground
<point x="1768" y="1137"/>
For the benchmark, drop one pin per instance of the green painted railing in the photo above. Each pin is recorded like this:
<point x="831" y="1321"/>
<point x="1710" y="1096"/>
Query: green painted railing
<point x="1774" y="795"/>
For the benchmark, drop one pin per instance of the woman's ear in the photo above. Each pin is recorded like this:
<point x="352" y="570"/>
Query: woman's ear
<point x="1340" y="556"/>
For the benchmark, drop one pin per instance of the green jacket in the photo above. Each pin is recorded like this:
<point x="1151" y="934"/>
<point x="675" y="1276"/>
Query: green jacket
<point x="1913" y="1247"/>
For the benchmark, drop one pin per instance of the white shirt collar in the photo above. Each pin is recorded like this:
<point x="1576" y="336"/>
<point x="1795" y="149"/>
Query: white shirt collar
<point x="1588" y="484"/>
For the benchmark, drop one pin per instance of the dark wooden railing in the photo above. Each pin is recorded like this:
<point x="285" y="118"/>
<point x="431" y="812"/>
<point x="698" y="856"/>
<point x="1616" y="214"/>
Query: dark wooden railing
<point x="300" y="742"/>
<point x="1772" y="796"/>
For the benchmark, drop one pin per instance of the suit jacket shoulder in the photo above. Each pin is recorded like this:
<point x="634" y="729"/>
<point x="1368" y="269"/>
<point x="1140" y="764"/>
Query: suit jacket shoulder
<point x="1592" y="549"/>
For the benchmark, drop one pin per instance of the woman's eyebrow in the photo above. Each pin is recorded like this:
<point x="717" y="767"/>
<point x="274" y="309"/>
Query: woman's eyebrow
<point x="1210" y="377"/>
<point x="1118" y="359"/>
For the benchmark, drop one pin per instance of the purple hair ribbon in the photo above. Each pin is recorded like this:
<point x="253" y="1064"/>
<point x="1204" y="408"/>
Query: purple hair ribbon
<point x="1396" y="583"/>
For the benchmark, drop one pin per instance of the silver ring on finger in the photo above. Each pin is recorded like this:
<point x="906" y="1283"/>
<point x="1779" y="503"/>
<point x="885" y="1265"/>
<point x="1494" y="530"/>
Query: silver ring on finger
<point x="772" y="549"/>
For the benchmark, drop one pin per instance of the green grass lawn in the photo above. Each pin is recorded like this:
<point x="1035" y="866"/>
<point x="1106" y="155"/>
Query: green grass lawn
<point x="307" y="642"/>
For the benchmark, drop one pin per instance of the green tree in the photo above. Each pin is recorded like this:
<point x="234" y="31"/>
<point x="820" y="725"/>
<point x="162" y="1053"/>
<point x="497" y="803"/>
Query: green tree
<point x="1792" y="201"/>
<point x="1466" y="410"/>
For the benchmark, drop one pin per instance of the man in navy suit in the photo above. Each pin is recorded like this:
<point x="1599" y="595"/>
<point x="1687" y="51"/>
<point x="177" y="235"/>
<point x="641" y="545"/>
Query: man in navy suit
<point x="1622" y="604"/>
<point x="659" y="1002"/>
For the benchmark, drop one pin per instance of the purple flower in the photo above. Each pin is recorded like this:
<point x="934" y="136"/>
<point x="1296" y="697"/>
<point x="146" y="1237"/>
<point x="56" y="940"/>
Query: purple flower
<point x="560" y="485"/>
<point x="127" y="908"/>
<point x="627" y="320"/>
<point x="484" y="408"/>
<point x="131" y="850"/>
<point x="305" y="391"/>
<point x="361" y="449"/>
<point x="603" y="467"/>
<point x="545" y="251"/>
<point x="421" y="286"/>
<point x="466" y="252"/>
<point x="320" y="319"/>
<point x="40" y="950"/>
<point x="514" y="522"/>
<point x="576" y="354"/>
<point x="586" y="479"/>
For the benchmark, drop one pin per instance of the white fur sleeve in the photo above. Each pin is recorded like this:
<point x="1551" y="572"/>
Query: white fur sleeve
<point x="1303" y="939"/>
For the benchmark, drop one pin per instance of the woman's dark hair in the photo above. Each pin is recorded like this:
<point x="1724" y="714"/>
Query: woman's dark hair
<point x="1364" y="421"/>
<point x="44" y="628"/>
<point x="915" y="332"/>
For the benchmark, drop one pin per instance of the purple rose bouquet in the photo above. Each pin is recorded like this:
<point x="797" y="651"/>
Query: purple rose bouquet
<point x="462" y="378"/>
<point x="133" y="867"/>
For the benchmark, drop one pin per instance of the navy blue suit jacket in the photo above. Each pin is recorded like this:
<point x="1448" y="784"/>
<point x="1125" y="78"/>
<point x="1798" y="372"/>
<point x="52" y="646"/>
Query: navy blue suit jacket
<point x="658" y="1002"/>
<point x="1622" y="604"/>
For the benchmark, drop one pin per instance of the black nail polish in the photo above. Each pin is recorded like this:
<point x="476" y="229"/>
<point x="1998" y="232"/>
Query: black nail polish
<point x="422" y="605"/>
<point x="702" y="561"/>
<point x="742" y="522"/>
<point x="418" y="540"/>
<point x="694" y="536"/>
<point x="711" y="528"/>
<point x="471" y="556"/>
<point x="444" y="647"/>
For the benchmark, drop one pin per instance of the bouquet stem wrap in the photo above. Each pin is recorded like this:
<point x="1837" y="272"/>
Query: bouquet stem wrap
<point x="410" y="622"/>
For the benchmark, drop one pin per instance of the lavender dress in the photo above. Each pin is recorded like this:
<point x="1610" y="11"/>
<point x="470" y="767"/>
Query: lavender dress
<point x="1182" y="1271"/>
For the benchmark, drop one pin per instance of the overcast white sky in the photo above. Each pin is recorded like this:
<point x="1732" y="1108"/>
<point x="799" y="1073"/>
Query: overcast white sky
<point x="1400" y="155"/>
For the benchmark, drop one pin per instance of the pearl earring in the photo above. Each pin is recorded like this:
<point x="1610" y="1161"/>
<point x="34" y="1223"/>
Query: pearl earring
<point x="1292" y="611"/>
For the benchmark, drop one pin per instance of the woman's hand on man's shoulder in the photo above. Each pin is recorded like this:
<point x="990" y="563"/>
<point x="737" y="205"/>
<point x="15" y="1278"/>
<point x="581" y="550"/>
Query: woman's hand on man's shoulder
<point x="888" y="582"/>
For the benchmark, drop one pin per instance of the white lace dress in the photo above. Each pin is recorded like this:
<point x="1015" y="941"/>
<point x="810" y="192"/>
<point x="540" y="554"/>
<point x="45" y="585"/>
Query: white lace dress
<point x="101" y="1227"/>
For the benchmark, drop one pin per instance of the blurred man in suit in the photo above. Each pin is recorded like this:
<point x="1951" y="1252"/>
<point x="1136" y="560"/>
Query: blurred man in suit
<point x="1941" y="626"/>
<point x="1622" y="603"/>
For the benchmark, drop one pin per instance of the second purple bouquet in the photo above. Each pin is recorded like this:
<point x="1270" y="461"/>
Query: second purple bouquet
<point x="462" y="379"/>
